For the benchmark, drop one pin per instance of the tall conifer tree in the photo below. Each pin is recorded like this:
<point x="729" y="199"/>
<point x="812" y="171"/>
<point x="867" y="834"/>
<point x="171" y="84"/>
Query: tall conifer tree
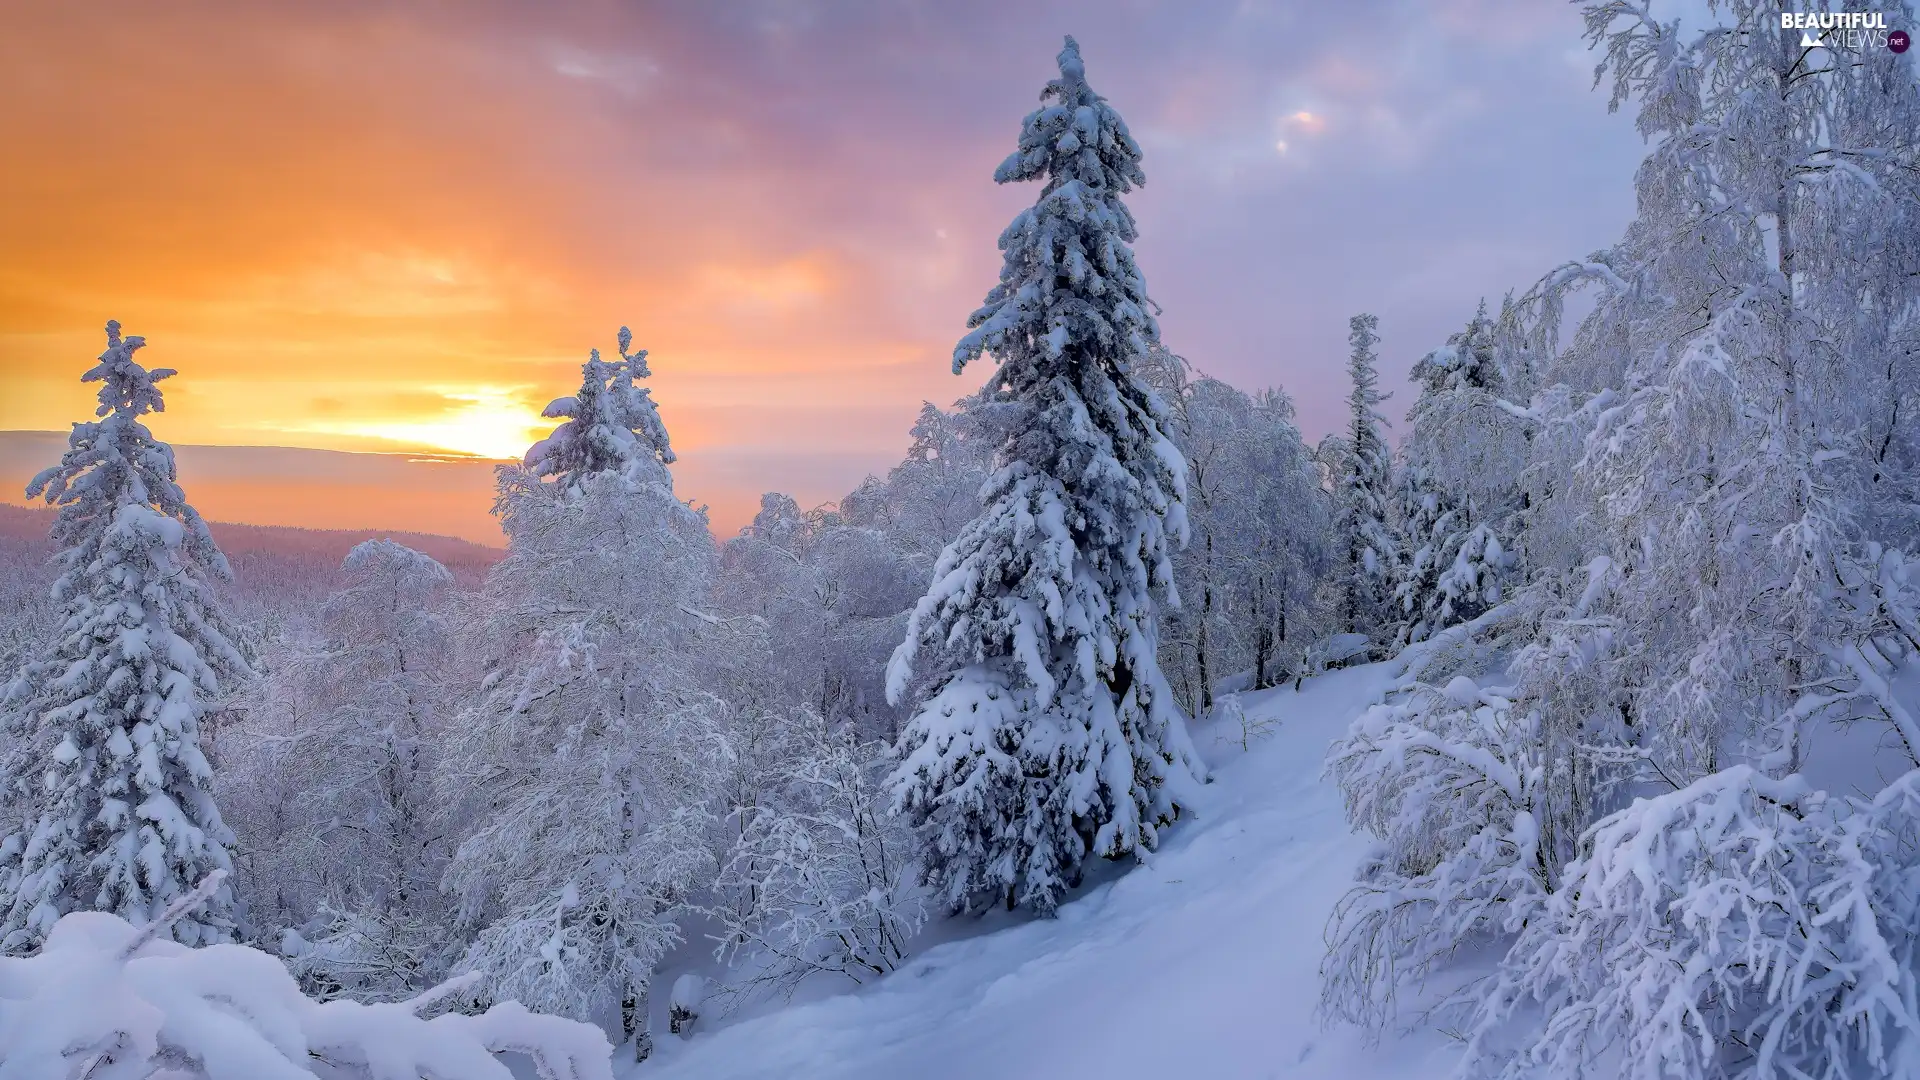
<point x="1050" y="732"/>
<point x="117" y="815"/>
<point x="1365" y="491"/>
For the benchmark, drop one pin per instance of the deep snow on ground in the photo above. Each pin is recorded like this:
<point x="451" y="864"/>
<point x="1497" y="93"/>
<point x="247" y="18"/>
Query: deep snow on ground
<point x="1202" y="963"/>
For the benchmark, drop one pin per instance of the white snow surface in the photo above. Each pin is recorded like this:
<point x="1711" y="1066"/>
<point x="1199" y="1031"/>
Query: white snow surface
<point x="1201" y="963"/>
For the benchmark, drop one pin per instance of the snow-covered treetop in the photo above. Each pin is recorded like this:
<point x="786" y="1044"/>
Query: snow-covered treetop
<point x="611" y="424"/>
<point x="1468" y="361"/>
<point x="1078" y="137"/>
<point x="1072" y="244"/>
<point x="116" y="461"/>
<point x="395" y="570"/>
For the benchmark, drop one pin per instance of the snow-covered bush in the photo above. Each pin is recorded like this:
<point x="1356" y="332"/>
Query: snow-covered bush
<point x="1449" y="782"/>
<point x="106" y="1000"/>
<point x="684" y="1003"/>
<point x="828" y="875"/>
<point x="1741" y="926"/>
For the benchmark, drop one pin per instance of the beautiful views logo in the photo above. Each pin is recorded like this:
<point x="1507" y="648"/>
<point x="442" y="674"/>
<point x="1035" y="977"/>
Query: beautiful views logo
<point x="1851" y="30"/>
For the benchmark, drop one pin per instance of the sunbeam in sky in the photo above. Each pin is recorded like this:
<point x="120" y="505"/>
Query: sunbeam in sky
<point x="484" y="421"/>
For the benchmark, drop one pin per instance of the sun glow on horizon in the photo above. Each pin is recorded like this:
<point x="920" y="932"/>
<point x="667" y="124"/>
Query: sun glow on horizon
<point x="484" y="421"/>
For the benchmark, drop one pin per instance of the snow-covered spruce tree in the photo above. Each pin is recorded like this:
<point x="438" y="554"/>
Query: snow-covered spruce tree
<point x="1737" y="393"/>
<point x="590" y="760"/>
<point x="342" y="834"/>
<point x="1364" y="494"/>
<point x="1050" y="732"/>
<point x="1458" y="485"/>
<point x="105" y="756"/>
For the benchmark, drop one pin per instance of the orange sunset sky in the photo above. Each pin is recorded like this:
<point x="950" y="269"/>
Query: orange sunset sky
<point x="399" y="228"/>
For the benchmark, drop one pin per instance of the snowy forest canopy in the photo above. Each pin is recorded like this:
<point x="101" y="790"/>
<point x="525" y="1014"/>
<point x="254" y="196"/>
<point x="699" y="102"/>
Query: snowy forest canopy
<point x="1644" y="795"/>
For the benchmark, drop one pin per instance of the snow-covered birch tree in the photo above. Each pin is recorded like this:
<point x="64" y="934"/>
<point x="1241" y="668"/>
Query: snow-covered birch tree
<point x="590" y="759"/>
<point x="118" y="814"/>
<point x="1706" y="880"/>
<point x="1252" y="578"/>
<point x="344" y="836"/>
<point x="1050" y="733"/>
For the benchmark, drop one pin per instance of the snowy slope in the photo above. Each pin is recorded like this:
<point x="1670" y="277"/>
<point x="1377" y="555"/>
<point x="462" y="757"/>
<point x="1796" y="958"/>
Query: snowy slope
<point x="1202" y="964"/>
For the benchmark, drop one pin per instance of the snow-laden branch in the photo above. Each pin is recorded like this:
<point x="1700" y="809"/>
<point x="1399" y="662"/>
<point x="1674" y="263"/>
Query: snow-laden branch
<point x="107" y="1000"/>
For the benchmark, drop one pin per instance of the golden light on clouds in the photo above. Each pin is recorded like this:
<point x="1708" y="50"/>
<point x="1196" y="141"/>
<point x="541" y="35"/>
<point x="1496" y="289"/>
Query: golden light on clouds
<point x="485" y="421"/>
<point x="1310" y="123"/>
<point x="402" y="230"/>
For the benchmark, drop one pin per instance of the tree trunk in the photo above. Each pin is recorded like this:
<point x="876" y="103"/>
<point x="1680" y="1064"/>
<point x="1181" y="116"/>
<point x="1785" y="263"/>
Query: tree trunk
<point x="634" y="1020"/>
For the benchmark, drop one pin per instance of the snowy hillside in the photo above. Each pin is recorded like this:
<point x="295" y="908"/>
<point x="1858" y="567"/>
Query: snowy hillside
<point x="1202" y="963"/>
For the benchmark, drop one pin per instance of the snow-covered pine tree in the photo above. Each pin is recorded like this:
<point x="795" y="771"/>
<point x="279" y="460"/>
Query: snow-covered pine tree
<point x="1051" y="733"/>
<point x="1457" y="485"/>
<point x="118" y="814"/>
<point x="591" y="758"/>
<point x="609" y="424"/>
<point x="1364" y="494"/>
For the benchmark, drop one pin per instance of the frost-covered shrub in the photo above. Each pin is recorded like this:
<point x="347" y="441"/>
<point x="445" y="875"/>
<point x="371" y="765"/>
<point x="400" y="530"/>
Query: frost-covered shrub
<point x="1447" y="780"/>
<point x="1740" y="927"/>
<point x="823" y="874"/>
<point x="105" y="1000"/>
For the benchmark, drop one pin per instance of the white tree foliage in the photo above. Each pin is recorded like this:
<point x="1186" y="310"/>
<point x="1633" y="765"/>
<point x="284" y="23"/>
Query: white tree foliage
<point x="828" y="870"/>
<point x="1051" y="733"/>
<point x="591" y="759"/>
<point x="105" y="731"/>
<point x="1459" y="494"/>
<point x="1718" y="593"/>
<point x="352" y="729"/>
<point x="609" y="425"/>
<point x="1253" y="578"/>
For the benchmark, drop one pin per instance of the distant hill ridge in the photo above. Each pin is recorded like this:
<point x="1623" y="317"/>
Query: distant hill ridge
<point x="464" y="557"/>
